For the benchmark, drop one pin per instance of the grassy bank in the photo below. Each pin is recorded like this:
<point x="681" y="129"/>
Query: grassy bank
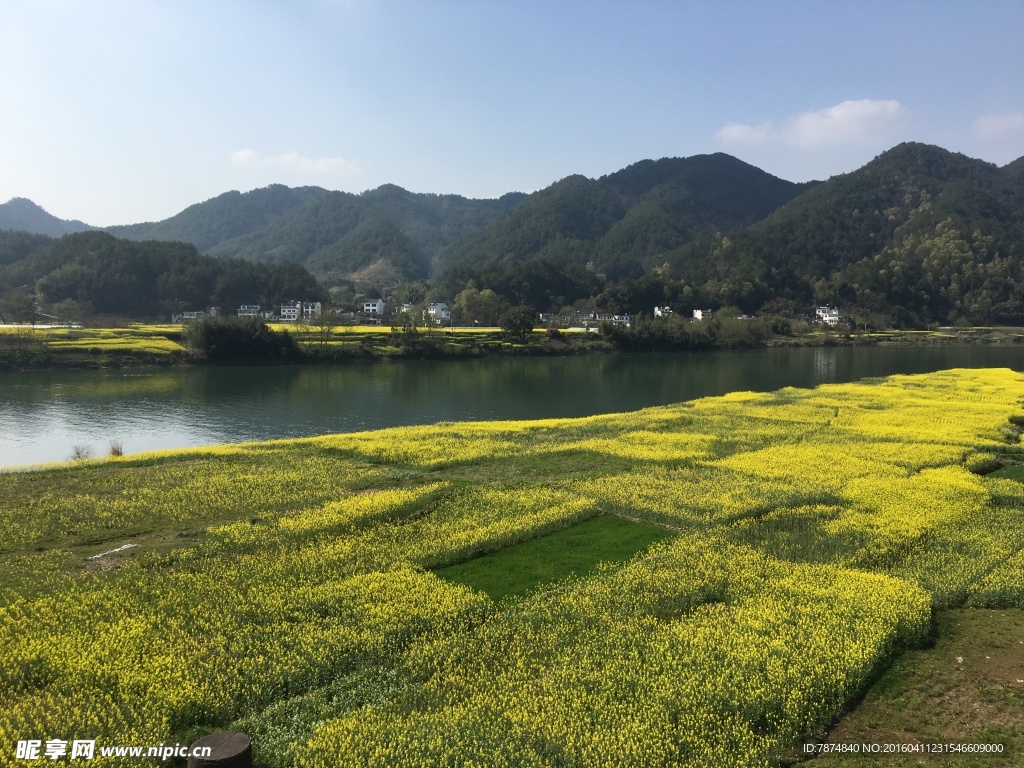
<point x="965" y="690"/>
<point x="143" y="345"/>
<point x="138" y="344"/>
<point x="709" y="583"/>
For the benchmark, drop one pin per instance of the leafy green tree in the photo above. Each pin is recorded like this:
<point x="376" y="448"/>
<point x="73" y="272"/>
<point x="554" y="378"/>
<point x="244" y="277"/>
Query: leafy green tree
<point x="479" y="307"/>
<point x="67" y="310"/>
<point x="403" y="330"/>
<point x="238" y="339"/>
<point x="518" y="322"/>
<point x="18" y="306"/>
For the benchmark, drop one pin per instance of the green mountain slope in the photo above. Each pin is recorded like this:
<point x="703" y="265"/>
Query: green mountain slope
<point x="222" y="218"/>
<point x="151" y="279"/>
<point x="1016" y="168"/>
<point x="433" y="223"/>
<point x="298" y="234"/>
<point x="387" y="233"/>
<point x="718" y="187"/>
<point x="918" y="235"/>
<point x="934" y="233"/>
<point x="555" y="222"/>
<point x="625" y="223"/>
<point x="21" y="214"/>
<point x="17" y="245"/>
<point x="616" y="226"/>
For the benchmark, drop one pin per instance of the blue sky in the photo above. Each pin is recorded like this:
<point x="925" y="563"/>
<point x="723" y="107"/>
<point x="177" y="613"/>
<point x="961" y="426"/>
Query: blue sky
<point x="117" y="112"/>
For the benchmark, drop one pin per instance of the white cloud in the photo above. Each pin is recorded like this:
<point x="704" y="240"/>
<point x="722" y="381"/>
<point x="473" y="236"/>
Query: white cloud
<point x="860" y="121"/>
<point x="293" y="161"/>
<point x="999" y="127"/>
<point x="738" y="133"/>
<point x="850" y="122"/>
<point x="243" y="157"/>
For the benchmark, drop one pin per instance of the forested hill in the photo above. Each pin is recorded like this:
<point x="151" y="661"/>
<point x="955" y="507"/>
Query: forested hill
<point x="931" y="235"/>
<point x="620" y="225"/>
<point x="1016" y="168"/>
<point x="918" y="235"/>
<point x="625" y="223"/>
<point x="100" y="274"/>
<point x="23" y="215"/>
<point x="384" y="235"/>
<point x="226" y="216"/>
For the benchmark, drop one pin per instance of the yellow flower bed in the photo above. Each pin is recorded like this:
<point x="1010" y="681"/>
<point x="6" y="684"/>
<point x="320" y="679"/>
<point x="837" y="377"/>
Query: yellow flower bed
<point x="818" y="529"/>
<point x="158" y="346"/>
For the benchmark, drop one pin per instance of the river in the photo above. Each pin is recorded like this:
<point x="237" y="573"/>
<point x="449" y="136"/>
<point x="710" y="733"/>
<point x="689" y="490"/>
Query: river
<point x="44" y="415"/>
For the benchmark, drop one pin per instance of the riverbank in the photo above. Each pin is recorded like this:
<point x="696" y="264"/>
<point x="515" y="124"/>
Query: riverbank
<point x="139" y="345"/>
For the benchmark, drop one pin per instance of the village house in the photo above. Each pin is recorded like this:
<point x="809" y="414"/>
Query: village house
<point x="374" y="307"/>
<point x="662" y="312"/>
<point x="201" y="314"/>
<point x="827" y="315"/>
<point x="701" y="315"/>
<point x="292" y="311"/>
<point x="439" y="312"/>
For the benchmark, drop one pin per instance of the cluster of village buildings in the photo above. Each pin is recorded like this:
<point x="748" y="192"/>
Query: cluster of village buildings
<point x="310" y="311"/>
<point x="439" y="313"/>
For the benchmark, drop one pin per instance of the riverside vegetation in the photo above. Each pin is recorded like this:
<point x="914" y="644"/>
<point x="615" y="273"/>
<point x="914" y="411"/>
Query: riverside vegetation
<point x="246" y="340"/>
<point x="367" y="598"/>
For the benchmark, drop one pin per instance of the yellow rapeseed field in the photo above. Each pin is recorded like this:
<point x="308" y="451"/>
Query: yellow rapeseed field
<point x="817" y="529"/>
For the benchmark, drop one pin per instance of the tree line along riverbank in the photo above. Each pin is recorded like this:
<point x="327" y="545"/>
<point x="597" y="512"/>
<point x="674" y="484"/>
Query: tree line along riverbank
<point x="230" y="340"/>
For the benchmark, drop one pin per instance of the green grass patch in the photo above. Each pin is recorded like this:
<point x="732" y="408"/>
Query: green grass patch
<point x="966" y="689"/>
<point x="577" y="551"/>
<point x="1011" y="473"/>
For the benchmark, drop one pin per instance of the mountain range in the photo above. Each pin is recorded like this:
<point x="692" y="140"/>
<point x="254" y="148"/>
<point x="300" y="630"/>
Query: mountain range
<point x="919" y="232"/>
<point x="389" y="234"/>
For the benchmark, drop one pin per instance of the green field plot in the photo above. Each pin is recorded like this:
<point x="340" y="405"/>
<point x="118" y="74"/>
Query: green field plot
<point x="968" y="689"/>
<point x="701" y="584"/>
<point x="1012" y="473"/>
<point x="576" y="551"/>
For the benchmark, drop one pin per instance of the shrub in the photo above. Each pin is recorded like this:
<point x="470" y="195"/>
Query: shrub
<point x="518" y="322"/>
<point x="238" y="339"/>
<point x="80" y="452"/>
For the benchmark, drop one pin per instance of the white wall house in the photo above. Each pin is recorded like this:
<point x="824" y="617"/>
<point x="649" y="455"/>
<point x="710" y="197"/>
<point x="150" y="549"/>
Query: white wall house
<point x="293" y="311"/>
<point x="701" y="314"/>
<point x="662" y="311"/>
<point x="375" y="307"/>
<point x="827" y="315"/>
<point x="188" y="317"/>
<point x="249" y="310"/>
<point x="439" y="312"/>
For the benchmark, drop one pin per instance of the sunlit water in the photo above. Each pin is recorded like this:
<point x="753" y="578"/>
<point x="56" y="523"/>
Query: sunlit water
<point x="44" y="415"/>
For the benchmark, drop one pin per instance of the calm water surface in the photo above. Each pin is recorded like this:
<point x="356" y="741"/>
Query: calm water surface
<point x="43" y="415"/>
